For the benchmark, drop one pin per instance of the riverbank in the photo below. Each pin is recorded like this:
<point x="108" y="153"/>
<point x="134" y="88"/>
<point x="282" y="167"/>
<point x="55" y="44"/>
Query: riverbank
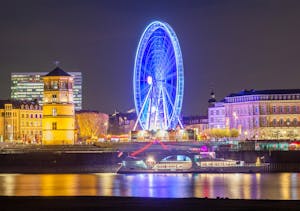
<point x="106" y="159"/>
<point x="134" y="203"/>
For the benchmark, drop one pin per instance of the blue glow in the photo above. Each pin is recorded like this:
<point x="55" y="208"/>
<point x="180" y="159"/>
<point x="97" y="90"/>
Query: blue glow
<point x="158" y="78"/>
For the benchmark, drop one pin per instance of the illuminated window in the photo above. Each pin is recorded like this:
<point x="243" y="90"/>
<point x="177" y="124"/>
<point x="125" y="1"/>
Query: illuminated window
<point x="54" y="112"/>
<point x="256" y="110"/>
<point x="288" y="122"/>
<point x="281" y="109"/>
<point x="294" y="109"/>
<point x="281" y="122"/>
<point x="54" y="84"/>
<point x="295" y="122"/>
<point x="54" y="98"/>
<point x="54" y="125"/>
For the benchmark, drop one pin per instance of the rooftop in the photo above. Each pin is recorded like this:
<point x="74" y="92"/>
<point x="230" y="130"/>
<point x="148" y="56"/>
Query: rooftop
<point x="17" y="103"/>
<point x="58" y="72"/>
<point x="265" y="92"/>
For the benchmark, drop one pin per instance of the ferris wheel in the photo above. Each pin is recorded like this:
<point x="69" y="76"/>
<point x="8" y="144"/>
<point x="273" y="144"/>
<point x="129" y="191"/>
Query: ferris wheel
<point x="158" y="79"/>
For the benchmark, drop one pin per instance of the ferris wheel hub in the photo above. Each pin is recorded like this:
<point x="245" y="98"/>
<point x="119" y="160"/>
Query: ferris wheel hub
<point x="149" y="80"/>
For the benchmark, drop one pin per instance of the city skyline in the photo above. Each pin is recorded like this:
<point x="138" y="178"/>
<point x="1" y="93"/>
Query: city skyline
<point x="30" y="86"/>
<point x="227" y="46"/>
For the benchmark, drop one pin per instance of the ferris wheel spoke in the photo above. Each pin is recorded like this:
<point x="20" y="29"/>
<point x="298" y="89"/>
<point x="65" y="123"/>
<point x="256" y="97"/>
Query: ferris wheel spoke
<point x="145" y="90"/>
<point x="174" y="111"/>
<point x="142" y="108"/>
<point x="171" y="75"/>
<point x="148" y="114"/>
<point x="164" y="61"/>
<point x="171" y="65"/>
<point x="170" y="88"/>
<point x="166" y="113"/>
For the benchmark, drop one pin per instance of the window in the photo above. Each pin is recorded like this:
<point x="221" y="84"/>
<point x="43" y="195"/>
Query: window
<point x="281" y="109"/>
<point x="54" y="84"/>
<point x="256" y="110"/>
<point x="54" y="98"/>
<point x="295" y="122"/>
<point x="54" y="112"/>
<point x="274" y="109"/>
<point x="274" y="122"/>
<point x="54" y="125"/>
<point x="281" y="122"/>
<point x="288" y="122"/>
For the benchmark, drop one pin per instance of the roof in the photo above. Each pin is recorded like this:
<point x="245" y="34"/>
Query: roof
<point x="17" y="103"/>
<point x="58" y="72"/>
<point x="265" y="92"/>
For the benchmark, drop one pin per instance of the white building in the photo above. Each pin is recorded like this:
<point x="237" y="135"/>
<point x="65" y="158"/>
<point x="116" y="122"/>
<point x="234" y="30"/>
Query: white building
<point x="216" y="116"/>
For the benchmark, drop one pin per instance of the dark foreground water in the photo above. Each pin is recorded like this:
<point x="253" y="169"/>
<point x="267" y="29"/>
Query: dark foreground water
<point x="233" y="186"/>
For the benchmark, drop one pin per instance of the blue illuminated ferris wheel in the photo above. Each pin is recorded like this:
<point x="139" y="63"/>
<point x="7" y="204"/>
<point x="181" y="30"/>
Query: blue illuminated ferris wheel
<point x="158" y="79"/>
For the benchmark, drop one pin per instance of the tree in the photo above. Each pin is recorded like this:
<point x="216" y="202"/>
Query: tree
<point x="234" y="133"/>
<point x="223" y="133"/>
<point x="91" y="124"/>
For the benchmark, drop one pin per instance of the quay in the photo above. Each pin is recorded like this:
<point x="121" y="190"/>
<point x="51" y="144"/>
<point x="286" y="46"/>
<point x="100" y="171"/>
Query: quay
<point x="106" y="157"/>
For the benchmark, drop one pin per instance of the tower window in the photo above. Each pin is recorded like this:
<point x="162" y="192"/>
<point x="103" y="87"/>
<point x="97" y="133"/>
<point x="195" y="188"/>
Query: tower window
<point x="54" y="98"/>
<point x="54" y="125"/>
<point x="54" y="112"/>
<point x="54" y="84"/>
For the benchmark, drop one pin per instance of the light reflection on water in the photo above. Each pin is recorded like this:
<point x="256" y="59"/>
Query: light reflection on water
<point x="240" y="186"/>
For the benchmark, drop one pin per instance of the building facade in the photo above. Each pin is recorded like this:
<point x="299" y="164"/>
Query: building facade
<point x="216" y="113"/>
<point x="20" y="121"/>
<point x="199" y="124"/>
<point x="58" y="108"/>
<point x="121" y="123"/>
<point x="216" y="116"/>
<point x="29" y="86"/>
<point x="264" y="114"/>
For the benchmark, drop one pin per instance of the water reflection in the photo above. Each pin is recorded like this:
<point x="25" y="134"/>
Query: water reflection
<point x="245" y="186"/>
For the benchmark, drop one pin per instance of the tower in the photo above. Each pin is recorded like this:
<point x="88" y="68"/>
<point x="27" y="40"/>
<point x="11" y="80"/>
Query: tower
<point x="212" y="100"/>
<point x="58" y="108"/>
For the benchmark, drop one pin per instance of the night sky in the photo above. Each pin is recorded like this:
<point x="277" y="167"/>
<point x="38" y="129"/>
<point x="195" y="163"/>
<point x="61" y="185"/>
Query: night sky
<point x="227" y="46"/>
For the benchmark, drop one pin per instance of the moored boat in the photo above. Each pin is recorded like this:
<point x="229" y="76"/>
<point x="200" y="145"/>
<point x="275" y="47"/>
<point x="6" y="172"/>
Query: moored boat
<point x="189" y="163"/>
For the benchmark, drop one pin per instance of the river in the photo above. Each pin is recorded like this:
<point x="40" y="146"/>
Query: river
<point x="234" y="186"/>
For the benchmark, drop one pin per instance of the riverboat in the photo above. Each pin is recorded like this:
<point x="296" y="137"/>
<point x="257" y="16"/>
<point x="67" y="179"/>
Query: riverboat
<point x="191" y="163"/>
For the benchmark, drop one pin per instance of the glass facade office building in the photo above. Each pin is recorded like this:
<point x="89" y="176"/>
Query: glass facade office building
<point x="29" y="86"/>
